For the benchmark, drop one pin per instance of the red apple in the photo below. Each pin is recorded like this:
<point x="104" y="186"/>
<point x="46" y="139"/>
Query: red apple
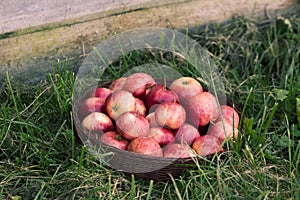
<point x="117" y="84"/>
<point x="146" y="146"/>
<point x="132" y="125"/>
<point x="229" y="115"/>
<point x="151" y="119"/>
<point x="170" y="115"/>
<point x="101" y="92"/>
<point x="222" y="130"/>
<point x="138" y="83"/>
<point x="186" y="134"/>
<point x="114" y="139"/>
<point x="98" y="122"/>
<point x="119" y="102"/>
<point x="185" y="88"/>
<point x="202" y="108"/>
<point x="89" y="105"/>
<point x="140" y="107"/>
<point x="159" y="94"/>
<point x="162" y="135"/>
<point x="178" y="151"/>
<point x="207" y="145"/>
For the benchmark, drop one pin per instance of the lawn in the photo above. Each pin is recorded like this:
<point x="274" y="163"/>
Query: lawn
<point x="40" y="157"/>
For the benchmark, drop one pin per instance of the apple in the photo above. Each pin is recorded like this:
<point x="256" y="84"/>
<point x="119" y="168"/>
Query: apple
<point x="185" y="88"/>
<point x="223" y="130"/>
<point x="91" y="104"/>
<point x="114" y="139"/>
<point x="202" y="108"/>
<point x="207" y="145"/>
<point x="229" y="115"/>
<point x="146" y="146"/>
<point x="138" y="83"/>
<point x="140" y="107"/>
<point x="170" y="115"/>
<point x="132" y="125"/>
<point x="162" y="135"/>
<point x="101" y="92"/>
<point x="151" y="119"/>
<point x="178" y="151"/>
<point x="119" y="102"/>
<point x="117" y="84"/>
<point x="98" y="122"/>
<point x="186" y="134"/>
<point x="159" y="94"/>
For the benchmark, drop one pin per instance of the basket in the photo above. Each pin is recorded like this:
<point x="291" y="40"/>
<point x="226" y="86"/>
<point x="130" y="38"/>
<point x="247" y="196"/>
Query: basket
<point x="166" y="44"/>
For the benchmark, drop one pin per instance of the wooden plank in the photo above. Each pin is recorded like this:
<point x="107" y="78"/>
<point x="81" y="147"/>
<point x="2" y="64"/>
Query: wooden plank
<point x="31" y="49"/>
<point x="21" y="14"/>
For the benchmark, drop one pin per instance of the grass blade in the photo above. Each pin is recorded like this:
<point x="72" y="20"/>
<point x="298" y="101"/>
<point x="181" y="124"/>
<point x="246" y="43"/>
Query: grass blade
<point x="149" y="190"/>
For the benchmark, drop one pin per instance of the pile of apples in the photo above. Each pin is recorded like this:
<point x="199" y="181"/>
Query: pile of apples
<point x="137" y="114"/>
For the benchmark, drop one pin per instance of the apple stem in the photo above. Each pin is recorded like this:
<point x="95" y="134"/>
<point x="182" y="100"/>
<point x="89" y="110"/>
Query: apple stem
<point x="118" y="137"/>
<point x="165" y="82"/>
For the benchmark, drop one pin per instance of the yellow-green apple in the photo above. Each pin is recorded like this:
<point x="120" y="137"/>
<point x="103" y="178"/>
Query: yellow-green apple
<point x="138" y="83"/>
<point x="159" y="94"/>
<point x="170" y="115"/>
<point x="202" y="108"/>
<point x="132" y="125"/>
<point x="98" y="122"/>
<point x="230" y="115"/>
<point x="162" y="135"/>
<point x="146" y="146"/>
<point x="91" y="104"/>
<point x="175" y="150"/>
<point x="114" y="139"/>
<point x="119" y="102"/>
<point x="101" y="92"/>
<point x="117" y="84"/>
<point x="186" y="134"/>
<point x="223" y="130"/>
<point x="140" y="107"/>
<point x="151" y="119"/>
<point x="207" y="145"/>
<point x="185" y="88"/>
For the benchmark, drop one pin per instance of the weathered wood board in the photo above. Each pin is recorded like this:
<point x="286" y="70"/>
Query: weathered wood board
<point x="34" y="34"/>
<point x="20" y="14"/>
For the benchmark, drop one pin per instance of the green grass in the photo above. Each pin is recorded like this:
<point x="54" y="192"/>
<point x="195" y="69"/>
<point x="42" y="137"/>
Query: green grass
<point x="40" y="157"/>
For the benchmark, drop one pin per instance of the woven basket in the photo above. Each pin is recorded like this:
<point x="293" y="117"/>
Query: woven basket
<point x="160" y="48"/>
